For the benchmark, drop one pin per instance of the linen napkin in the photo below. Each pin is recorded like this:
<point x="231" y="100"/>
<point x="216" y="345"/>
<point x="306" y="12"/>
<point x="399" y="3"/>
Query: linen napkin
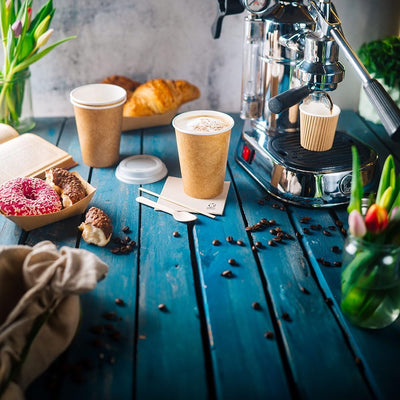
<point x="39" y="308"/>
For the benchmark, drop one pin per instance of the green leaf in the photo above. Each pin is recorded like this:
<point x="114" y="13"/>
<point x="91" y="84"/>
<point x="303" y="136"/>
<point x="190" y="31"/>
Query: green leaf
<point x="356" y="184"/>
<point x="36" y="57"/>
<point x="386" y="177"/>
<point x="26" y="48"/>
<point x="47" y="9"/>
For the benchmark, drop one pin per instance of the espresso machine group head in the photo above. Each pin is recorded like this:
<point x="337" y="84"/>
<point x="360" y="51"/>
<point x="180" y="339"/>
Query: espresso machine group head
<point x="291" y="51"/>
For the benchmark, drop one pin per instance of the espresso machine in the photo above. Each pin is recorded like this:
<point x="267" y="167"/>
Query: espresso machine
<point x="291" y="51"/>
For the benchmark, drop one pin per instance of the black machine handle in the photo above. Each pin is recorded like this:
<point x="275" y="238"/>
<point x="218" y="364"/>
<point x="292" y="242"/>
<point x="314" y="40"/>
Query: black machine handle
<point x="225" y="7"/>
<point x="287" y="99"/>
<point x="385" y="107"/>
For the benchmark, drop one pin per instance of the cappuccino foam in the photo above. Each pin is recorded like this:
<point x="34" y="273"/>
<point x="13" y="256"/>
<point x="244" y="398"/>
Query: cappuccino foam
<point x="202" y="124"/>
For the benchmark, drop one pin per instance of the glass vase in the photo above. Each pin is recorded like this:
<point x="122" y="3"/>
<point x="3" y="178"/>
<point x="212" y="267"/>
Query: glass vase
<point x="370" y="283"/>
<point x="16" y="102"/>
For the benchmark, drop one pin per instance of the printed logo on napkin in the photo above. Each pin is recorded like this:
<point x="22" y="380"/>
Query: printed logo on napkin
<point x="173" y="189"/>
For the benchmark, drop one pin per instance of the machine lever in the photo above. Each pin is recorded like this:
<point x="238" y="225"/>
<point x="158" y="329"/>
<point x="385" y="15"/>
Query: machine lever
<point x="287" y="99"/>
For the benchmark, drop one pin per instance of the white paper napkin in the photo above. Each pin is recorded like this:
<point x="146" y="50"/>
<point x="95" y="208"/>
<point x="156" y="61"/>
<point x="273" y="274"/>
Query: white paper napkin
<point x="173" y="189"/>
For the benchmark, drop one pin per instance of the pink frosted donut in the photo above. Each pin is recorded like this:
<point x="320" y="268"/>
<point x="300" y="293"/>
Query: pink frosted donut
<point x="28" y="196"/>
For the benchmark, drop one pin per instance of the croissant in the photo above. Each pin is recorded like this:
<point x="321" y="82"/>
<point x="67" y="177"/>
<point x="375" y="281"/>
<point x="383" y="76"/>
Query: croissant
<point x="127" y="83"/>
<point x="159" y="96"/>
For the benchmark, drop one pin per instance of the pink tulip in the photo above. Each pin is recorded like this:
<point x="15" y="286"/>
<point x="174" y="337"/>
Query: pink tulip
<point x="356" y="224"/>
<point x="17" y="28"/>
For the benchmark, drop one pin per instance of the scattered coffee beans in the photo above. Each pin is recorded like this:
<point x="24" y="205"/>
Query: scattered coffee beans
<point x="232" y="261"/>
<point x="176" y="234"/>
<point x="256" y="305"/>
<point x="229" y="239"/>
<point x="216" y="242"/>
<point x="269" y="335"/>
<point x="240" y="242"/>
<point x="227" y="274"/>
<point x="119" y="302"/>
<point x="162" y="307"/>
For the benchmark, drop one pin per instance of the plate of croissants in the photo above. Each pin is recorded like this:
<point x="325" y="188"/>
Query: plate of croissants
<point x="154" y="102"/>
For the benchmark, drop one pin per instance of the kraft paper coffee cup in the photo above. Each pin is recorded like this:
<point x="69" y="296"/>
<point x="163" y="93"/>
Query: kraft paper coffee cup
<point x="318" y="126"/>
<point x="203" y="143"/>
<point x="98" y="113"/>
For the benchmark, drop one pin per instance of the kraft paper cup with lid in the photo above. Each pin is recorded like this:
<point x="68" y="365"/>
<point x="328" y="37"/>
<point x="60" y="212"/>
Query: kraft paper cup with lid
<point x="98" y="113"/>
<point x="203" y="143"/>
<point x="317" y="126"/>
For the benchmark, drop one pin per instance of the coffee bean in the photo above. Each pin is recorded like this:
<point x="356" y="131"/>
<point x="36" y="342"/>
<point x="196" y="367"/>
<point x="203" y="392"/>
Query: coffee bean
<point x="277" y="239"/>
<point x="111" y="360"/>
<point x="229" y="239"/>
<point x="119" y="302"/>
<point x="111" y="315"/>
<point x="271" y="243"/>
<point x="332" y="228"/>
<point x="176" y="234"/>
<point x="269" y="335"/>
<point x="288" y="236"/>
<point x="260" y="202"/>
<point x="272" y="222"/>
<point x="299" y="235"/>
<point x="227" y="274"/>
<point x="326" y="233"/>
<point x="335" y="249"/>
<point x="116" y="335"/>
<point x="273" y="231"/>
<point x="216" y="242"/>
<point x="239" y="242"/>
<point x="248" y="228"/>
<point x="125" y="229"/>
<point x="339" y="223"/>
<point x="278" y="229"/>
<point x="337" y="263"/>
<point x="256" y="305"/>
<point x="116" y="250"/>
<point x="97" y="329"/>
<point x="264" y="221"/>
<point x="326" y="263"/>
<point x="254" y="248"/>
<point x="286" y="316"/>
<point x="304" y="290"/>
<point x="329" y="301"/>
<point x="282" y="208"/>
<point x="306" y="231"/>
<point x="232" y="261"/>
<point x="343" y="231"/>
<point x="258" y="244"/>
<point x="96" y="342"/>
<point x="117" y="240"/>
<point x="275" y="205"/>
<point x="162" y="307"/>
<point x="315" y="227"/>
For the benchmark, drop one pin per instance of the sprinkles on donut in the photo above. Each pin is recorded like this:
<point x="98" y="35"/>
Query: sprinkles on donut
<point x="28" y="196"/>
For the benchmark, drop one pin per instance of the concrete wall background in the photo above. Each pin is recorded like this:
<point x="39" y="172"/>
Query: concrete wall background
<point x="172" y="39"/>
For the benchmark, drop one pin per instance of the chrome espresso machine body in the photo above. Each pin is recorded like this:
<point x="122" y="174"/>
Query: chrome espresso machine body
<point x="291" y="50"/>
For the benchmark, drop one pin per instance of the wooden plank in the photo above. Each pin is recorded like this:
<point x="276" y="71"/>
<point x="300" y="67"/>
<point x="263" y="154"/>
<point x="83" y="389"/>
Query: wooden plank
<point x="314" y="344"/>
<point x="170" y="359"/>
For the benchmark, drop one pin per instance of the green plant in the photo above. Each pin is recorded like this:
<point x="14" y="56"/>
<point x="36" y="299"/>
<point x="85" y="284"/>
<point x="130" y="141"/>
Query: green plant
<point x="24" y="38"/>
<point x="382" y="59"/>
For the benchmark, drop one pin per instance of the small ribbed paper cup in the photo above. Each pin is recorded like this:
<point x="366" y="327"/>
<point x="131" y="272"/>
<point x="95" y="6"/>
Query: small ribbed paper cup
<point x="317" y="131"/>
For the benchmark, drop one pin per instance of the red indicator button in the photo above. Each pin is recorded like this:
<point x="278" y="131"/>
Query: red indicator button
<point x="247" y="154"/>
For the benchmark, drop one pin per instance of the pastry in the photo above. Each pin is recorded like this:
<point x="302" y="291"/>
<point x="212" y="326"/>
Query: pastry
<point x="97" y="228"/>
<point x="159" y="96"/>
<point x="67" y="185"/>
<point x="128" y="84"/>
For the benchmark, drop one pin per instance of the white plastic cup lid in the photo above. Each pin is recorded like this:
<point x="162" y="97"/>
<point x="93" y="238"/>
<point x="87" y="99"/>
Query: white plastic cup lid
<point x="98" y="94"/>
<point x="141" y="169"/>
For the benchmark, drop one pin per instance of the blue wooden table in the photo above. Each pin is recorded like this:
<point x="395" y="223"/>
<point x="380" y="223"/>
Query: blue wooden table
<point x="274" y="330"/>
